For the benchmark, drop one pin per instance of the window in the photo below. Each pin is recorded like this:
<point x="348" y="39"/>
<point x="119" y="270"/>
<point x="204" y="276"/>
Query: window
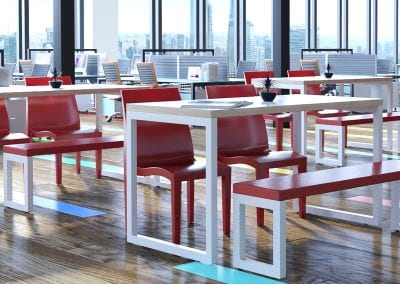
<point x="258" y="31"/>
<point x="178" y="24"/>
<point x="297" y="25"/>
<point x="41" y="24"/>
<point x="220" y="28"/>
<point x="327" y="24"/>
<point x="358" y="25"/>
<point x="385" y="29"/>
<point x="9" y="29"/>
<point x="134" y="27"/>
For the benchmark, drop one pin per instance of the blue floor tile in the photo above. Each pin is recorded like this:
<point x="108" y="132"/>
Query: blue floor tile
<point x="66" y="208"/>
<point x="224" y="274"/>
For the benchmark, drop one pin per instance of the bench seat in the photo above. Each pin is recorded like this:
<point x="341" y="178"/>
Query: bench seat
<point x="272" y="193"/>
<point x="23" y="153"/>
<point x="340" y="124"/>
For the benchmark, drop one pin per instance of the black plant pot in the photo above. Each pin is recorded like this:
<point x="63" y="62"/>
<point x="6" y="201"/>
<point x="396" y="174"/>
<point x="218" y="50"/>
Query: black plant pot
<point x="55" y="84"/>
<point x="328" y="75"/>
<point x="267" y="96"/>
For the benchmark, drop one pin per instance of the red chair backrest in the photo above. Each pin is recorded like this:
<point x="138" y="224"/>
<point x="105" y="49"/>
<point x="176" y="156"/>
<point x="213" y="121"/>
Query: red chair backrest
<point x="160" y="144"/>
<point x="242" y="135"/>
<point x="248" y="75"/>
<point x="51" y="113"/>
<point x="43" y="81"/>
<point x="311" y="89"/>
<point x="4" y="120"/>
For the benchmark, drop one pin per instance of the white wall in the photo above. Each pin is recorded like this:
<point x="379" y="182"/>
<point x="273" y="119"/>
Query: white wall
<point x="101" y="26"/>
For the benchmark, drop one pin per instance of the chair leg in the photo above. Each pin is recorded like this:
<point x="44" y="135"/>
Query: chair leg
<point x="176" y="211"/>
<point x="99" y="158"/>
<point x="345" y="137"/>
<point x="322" y="140"/>
<point x="78" y="162"/>
<point x="190" y="201"/>
<point x="279" y="134"/>
<point x="58" y="168"/>
<point x="226" y="204"/>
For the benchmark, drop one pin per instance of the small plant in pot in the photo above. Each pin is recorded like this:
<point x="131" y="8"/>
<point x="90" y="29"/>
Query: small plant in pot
<point x="328" y="73"/>
<point x="266" y="93"/>
<point x="56" y="81"/>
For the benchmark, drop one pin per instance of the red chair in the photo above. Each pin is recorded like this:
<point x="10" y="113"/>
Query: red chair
<point x="166" y="149"/>
<point x="317" y="90"/>
<point x="244" y="140"/>
<point x="278" y="118"/>
<point x="57" y="117"/>
<point x="5" y="136"/>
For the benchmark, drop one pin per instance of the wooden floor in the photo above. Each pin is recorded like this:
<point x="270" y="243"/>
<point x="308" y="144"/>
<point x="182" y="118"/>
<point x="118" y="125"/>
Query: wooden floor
<point x="52" y="247"/>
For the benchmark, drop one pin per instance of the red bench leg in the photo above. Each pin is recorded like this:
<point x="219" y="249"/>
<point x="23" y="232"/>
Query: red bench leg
<point x="58" y="168"/>
<point x="98" y="155"/>
<point x="78" y="162"/>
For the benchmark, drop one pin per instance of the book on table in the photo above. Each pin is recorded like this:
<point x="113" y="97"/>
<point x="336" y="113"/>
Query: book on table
<point x="217" y="104"/>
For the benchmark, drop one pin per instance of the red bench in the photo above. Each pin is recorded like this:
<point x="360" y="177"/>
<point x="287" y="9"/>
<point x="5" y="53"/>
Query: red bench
<point x="340" y="124"/>
<point x="23" y="153"/>
<point x="272" y="193"/>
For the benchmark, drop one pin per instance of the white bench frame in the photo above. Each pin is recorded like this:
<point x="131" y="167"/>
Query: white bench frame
<point x="277" y="268"/>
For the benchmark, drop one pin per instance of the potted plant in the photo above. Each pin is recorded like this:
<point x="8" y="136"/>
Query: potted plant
<point x="266" y="93"/>
<point x="328" y="73"/>
<point x="56" y="82"/>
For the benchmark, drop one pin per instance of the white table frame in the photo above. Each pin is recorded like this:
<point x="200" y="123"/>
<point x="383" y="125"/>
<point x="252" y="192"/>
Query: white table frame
<point x="171" y="112"/>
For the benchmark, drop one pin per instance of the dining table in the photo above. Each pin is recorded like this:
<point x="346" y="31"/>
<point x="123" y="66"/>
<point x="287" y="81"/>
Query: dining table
<point x="207" y="117"/>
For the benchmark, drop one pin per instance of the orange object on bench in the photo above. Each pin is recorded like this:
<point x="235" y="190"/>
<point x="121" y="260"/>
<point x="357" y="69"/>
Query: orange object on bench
<point x="23" y="153"/>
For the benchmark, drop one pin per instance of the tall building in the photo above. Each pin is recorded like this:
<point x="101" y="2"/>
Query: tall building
<point x="231" y="37"/>
<point x="209" y="26"/>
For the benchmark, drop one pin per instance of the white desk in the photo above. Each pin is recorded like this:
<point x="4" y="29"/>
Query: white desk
<point x="173" y="113"/>
<point x="81" y="89"/>
<point x="381" y="87"/>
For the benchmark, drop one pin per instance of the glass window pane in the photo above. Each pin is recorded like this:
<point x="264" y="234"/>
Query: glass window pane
<point x="41" y="24"/>
<point x="327" y="23"/>
<point x="178" y="23"/>
<point x="297" y="25"/>
<point x="134" y="32"/>
<point x="358" y="25"/>
<point x="258" y="31"/>
<point x="385" y="29"/>
<point x="220" y="29"/>
<point x="9" y="29"/>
